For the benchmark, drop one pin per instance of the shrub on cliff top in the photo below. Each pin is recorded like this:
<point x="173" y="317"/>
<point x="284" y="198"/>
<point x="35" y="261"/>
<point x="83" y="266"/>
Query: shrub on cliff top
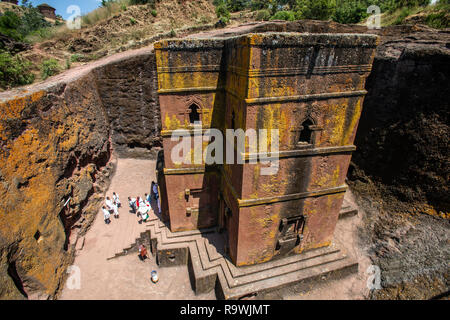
<point x="352" y="11"/>
<point x="315" y="9"/>
<point x="49" y="68"/>
<point x="439" y="20"/>
<point x="18" y="27"/>
<point x="284" y="15"/>
<point x="14" y="71"/>
<point x="9" y="25"/>
<point x="262" y="15"/>
<point x="223" y="13"/>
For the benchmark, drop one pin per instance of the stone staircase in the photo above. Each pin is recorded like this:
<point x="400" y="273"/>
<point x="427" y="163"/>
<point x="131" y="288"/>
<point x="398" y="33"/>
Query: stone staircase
<point x="130" y="235"/>
<point x="210" y="268"/>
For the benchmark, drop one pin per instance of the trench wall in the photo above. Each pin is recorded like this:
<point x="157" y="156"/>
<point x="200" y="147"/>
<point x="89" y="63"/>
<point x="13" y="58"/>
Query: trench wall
<point x="58" y="140"/>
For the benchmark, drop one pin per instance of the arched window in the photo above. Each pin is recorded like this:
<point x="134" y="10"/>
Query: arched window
<point x="194" y="115"/>
<point x="306" y="133"/>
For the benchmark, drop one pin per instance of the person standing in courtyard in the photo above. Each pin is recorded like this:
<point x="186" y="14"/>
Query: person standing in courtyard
<point x="155" y="190"/>
<point x="116" y="200"/>
<point x="132" y="204"/>
<point x="106" y="215"/>
<point x="109" y="204"/>
<point x="116" y="211"/>
<point x="138" y="202"/>
<point x="142" y="252"/>
<point x="156" y="195"/>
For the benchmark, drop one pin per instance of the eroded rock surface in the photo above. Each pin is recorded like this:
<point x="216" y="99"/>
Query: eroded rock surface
<point x="55" y="146"/>
<point x="129" y="92"/>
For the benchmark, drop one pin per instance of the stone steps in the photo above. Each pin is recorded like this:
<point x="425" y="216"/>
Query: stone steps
<point x="210" y="269"/>
<point x="347" y="210"/>
<point x="129" y="236"/>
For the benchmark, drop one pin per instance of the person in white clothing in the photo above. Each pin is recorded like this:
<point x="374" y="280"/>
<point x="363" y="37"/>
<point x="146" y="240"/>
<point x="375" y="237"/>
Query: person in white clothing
<point x="106" y="215"/>
<point x="116" y="212"/>
<point x="132" y="203"/>
<point x="109" y="204"/>
<point x="116" y="200"/>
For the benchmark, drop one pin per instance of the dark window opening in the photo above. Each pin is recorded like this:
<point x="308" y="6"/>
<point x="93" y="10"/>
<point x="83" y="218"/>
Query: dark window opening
<point x="37" y="235"/>
<point x="278" y="246"/>
<point x="194" y="115"/>
<point x="306" y="134"/>
<point x="233" y="121"/>
<point x="299" y="240"/>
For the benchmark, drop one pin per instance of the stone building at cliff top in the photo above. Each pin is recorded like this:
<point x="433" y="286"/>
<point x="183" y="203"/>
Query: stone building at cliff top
<point x="47" y="11"/>
<point x="11" y="1"/>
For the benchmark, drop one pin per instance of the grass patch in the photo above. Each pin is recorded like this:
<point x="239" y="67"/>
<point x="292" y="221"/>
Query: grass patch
<point x="262" y="15"/>
<point x="77" y="57"/>
<point x="398" y="16"/>
<point x="439" y="20"/>
<point x="110" y="9"/>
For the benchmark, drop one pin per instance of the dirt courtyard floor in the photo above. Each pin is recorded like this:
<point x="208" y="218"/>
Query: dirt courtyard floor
<point x="128" y="278"/>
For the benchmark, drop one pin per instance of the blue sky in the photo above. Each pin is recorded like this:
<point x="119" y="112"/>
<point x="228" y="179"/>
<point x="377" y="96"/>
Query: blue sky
<point x="62" y="5"/>
<point x="85" y="5"/>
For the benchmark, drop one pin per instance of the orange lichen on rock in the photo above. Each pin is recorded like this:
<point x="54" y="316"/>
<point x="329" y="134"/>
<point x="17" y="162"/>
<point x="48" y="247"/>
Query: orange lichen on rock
<point x="52" y="146"/>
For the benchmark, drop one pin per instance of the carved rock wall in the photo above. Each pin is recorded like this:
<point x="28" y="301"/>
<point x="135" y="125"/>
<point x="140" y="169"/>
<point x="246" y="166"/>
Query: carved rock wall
<point x="129" y="92"/>
<point x="57" y="139"/>
<point x="55" y="146"/>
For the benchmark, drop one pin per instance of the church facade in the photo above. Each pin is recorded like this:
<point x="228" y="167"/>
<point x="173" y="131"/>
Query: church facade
<point x="307" y="87"/>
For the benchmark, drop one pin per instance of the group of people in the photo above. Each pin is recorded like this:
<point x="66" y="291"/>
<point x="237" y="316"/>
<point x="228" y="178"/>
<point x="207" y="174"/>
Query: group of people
<point x="138" y="205"/>
<point x="111" y="206"/>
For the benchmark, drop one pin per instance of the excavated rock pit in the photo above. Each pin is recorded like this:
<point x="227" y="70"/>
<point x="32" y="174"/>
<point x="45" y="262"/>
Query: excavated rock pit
<point x="58" y="139"/>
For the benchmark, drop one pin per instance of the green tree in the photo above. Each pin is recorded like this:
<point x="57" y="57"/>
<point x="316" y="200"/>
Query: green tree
<point x="236" y="5"/>
<point x="271" y="5"/>
<point x="350" y="11"/>
<point x="223" y="13"/>
<point x="27" y="4"/>
<point x="9" y="25"/>
<point x="315" y="9"/>
<point x="32" y="20"/>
